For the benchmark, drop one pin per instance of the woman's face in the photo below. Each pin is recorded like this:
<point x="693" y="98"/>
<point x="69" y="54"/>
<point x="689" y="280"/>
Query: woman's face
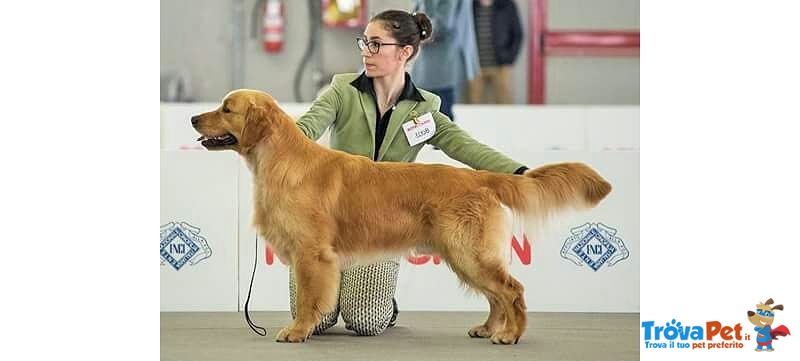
<point x="390" y="59"/>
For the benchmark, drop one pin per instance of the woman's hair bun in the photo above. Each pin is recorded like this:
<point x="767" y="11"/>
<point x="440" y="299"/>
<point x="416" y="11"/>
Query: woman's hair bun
<point x="424" y="24"/>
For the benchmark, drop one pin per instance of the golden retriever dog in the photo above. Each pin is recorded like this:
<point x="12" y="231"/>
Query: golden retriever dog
<point x="322" y="209"/>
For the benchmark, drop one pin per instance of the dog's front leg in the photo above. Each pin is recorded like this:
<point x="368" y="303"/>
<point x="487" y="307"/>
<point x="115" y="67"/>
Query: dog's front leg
<point x="317" y="277"/>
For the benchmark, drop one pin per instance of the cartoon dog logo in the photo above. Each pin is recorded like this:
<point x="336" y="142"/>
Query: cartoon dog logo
<point x="763" y="319"/>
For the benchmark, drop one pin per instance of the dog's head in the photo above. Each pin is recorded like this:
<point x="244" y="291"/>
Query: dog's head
<point x="238" y="123"/>
<point x="765" y="313"/>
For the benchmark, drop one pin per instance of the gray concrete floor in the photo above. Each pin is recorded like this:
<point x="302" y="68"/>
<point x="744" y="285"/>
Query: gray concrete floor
<point x="221" y="336"/>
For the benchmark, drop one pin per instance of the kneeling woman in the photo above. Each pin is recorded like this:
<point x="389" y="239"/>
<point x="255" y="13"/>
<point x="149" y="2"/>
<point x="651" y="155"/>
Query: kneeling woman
<point x="367" y="112"/>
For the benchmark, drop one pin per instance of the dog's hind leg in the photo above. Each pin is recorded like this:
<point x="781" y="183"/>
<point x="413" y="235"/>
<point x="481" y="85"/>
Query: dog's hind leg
<point x="507" y="317"/>
<point x="472" y="236"/>
<point x="317" y="275"/>
<point x="495" y="321"/>
<point x="516" y="294"/>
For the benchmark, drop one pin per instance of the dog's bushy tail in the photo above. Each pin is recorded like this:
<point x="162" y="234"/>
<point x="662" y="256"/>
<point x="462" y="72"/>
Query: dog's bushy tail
<point x="546" y="191"/>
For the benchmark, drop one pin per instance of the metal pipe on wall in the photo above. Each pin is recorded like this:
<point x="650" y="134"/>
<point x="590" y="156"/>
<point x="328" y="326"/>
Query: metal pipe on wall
<point x="237" y="44"/>
<point x="313" y="48"/>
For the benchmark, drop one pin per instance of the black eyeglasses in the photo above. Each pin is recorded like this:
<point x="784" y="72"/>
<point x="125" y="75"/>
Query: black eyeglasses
<point x="373" y="46"/>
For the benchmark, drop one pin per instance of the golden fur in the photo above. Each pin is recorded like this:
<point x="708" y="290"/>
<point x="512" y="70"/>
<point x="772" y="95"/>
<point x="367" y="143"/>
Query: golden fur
<point x="321" y="208"/>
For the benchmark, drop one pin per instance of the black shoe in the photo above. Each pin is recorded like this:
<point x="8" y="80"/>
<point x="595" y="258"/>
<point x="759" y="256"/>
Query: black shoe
<point x="393" y="321"/>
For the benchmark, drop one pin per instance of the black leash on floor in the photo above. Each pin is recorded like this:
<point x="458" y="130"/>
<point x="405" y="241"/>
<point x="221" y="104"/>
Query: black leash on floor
<point x="257" y="329"/>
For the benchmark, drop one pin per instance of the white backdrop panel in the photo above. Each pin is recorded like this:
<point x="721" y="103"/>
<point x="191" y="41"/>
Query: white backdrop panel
<point x="200" y="190"/>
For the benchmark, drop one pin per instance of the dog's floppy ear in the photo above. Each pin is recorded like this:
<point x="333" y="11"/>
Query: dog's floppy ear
<point x="255" y="126"/>
<point x="777" y="307"/>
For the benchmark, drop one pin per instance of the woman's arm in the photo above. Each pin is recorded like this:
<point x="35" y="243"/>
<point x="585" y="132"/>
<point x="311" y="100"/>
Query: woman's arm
<point x="323" y="112"/>
<point x="459" y="145"/>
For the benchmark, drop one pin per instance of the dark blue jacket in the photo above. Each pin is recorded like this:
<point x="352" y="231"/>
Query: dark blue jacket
<point x="506" y="30"/>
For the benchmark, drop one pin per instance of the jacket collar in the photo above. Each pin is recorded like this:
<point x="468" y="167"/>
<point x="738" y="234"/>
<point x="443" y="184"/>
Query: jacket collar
<point x="364" y="84"/>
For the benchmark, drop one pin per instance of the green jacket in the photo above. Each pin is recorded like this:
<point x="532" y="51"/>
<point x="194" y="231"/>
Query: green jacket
<point x="352" y="114"/>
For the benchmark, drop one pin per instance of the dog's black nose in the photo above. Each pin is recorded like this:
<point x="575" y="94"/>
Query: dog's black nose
<point x="195" y="119"/>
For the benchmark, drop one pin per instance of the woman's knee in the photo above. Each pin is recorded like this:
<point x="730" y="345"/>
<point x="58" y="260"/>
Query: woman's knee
<point x="366" y="321"/>
<point x="365" y="299"/>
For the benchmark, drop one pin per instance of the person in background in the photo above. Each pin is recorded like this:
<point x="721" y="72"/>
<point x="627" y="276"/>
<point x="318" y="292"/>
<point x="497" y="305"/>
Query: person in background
<point x="366" y="113"/>
<point x="450" y="58"/>
<point x="468" y="65"/>
<point x="499" y="36"/>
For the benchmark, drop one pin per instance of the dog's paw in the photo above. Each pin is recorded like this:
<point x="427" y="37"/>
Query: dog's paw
<point x="504" y="338"/>
<point x="480" y="331"/>
<point x="291" y="335"/>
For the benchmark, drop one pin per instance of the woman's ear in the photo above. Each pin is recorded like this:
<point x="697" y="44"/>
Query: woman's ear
<point x="405" y="52"/>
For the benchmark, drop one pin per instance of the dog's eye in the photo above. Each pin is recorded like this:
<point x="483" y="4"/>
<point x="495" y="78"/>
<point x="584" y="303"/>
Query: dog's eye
<point x="226" y="110"/>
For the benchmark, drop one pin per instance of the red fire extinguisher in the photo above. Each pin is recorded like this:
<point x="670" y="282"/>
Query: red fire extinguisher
<point x="273" y="26"/>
